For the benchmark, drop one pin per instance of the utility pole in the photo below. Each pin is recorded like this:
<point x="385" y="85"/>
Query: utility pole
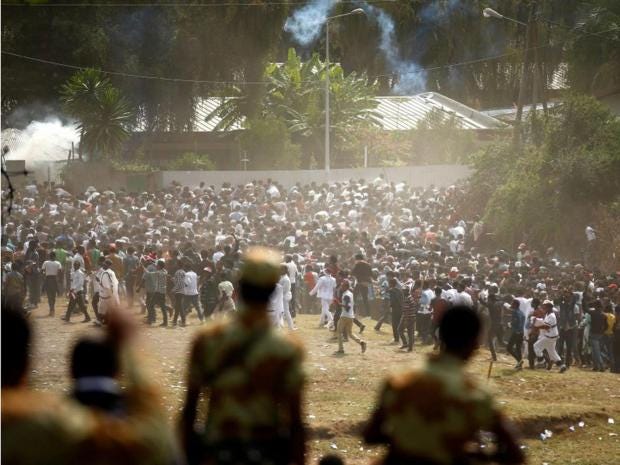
<point x="524" y="78"/>
<point x="245" y="160"/>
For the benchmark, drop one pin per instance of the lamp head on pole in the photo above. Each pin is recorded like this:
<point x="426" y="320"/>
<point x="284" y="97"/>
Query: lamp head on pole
<point x="491" y="13"/>
<point x="357" y="11"/>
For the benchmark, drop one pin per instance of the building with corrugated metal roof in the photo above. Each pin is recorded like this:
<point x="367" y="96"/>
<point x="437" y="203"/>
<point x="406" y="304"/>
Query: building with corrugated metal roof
<point x="401" y="113"/>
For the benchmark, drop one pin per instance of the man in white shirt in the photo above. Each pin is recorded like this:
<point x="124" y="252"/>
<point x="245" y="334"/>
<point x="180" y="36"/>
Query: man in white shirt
<point x="345" y="322"/>
<point x="324" y="290"/>
<point x="52" y="272"/>
<point x="548" y="336"/>
<point x="191" y="295"/>
<point x="108" y="289"/>
<point x="76" y="294"/>
<point x="292" y="275"/>
<point x="275" y="307"/>
<point x="285" y="282"/>
<point x="462" y="299"/>
<point x="423" y="320"/>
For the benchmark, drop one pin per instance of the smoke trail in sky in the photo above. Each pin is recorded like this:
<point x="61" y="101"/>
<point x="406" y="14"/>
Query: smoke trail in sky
<point x="306" y="23"/>
<point x="411" y="78"/>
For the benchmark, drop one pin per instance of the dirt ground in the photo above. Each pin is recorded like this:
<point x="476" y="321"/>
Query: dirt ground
<point x="341" y="390"/>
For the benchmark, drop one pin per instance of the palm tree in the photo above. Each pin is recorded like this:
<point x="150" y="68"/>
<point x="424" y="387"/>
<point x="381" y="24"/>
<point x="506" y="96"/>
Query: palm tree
<point x="107" y="127"/>
<point x="295" y="95"/>
<point x="103" y="114"/>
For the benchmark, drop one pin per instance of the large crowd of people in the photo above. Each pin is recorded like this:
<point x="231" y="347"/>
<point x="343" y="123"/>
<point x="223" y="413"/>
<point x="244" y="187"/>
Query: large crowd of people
<point x="352" y="249"/>
<point x="356" y="253"/>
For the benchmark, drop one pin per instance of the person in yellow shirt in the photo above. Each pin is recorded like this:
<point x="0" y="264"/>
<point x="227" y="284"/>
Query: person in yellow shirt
<point x="608" y="334"/>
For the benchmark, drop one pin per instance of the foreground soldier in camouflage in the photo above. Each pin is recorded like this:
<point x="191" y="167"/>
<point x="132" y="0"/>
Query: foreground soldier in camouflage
<point x="44" y="429"/>
<point x="431" y="416"/>
<point x="253" y="378"/>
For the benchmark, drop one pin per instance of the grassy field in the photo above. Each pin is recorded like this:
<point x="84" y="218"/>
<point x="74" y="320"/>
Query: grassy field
<point x="341" y="390"/>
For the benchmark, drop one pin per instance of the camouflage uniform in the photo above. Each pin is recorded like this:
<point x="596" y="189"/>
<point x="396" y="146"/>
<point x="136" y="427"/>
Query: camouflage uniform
<point x="254" y="378"/>
<point x="39" y="428"/>
<point x="428" y="417"/>
<point x="252" y="372"/>
<point x="43" y="429"/>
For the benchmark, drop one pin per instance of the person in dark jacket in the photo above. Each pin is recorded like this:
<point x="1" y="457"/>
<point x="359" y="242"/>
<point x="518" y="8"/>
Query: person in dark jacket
<point x="517" y="323"/>
<point x="396" y="307"/>
<point x="598" y="326"/>
<point x="209" y="293"/>
<point x="567" y="324"/>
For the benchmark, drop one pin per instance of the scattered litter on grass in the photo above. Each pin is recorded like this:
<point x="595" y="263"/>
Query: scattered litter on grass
<point x="613" y="434"/>
<point x="312" y="417"/>
<point x="571" y="428"/>
<point x="611" y="421"/>
<point x="581" y="424"/>
<point x="333" y="446"/>
<point x="523" y="446"/>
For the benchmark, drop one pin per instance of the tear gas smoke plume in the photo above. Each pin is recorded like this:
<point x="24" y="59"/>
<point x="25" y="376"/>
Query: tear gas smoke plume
<point x="48" y="140"/>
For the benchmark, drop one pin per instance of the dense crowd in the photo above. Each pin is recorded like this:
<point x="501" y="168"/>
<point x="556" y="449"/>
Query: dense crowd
<point x="356" y="248"/>
<point x="346" y="251"/>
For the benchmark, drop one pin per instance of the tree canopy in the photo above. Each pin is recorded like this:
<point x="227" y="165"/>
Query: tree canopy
<point x="295" y="96"/>
<point x="547" y="193"/>
<point x="165" y="56"/>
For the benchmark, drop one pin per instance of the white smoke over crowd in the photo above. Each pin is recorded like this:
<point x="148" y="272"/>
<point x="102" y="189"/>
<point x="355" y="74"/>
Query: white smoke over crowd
<point x="305" y="25"/>
<point x="48" y="140"/>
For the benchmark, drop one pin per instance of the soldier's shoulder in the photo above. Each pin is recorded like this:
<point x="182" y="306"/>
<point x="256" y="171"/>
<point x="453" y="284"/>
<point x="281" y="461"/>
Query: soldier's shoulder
<point x="403" y="380"/>
<point x="44" y="411"/>
<point x="285" y="344"/>
<point x="214" y="331"/>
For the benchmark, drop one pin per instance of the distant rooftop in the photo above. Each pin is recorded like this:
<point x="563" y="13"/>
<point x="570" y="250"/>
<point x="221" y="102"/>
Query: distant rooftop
<point x="397" y="113"/>
<point x="509" y="114"/>
<point x="402" y="113"/>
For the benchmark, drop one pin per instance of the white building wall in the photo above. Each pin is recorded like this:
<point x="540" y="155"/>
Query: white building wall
<point x="419" y="176"/>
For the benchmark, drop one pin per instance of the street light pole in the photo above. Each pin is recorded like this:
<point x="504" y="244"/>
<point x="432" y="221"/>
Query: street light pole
<point x="357" y="11"/>
<point x="327" y="122"/>
<point x="529" y="26"/>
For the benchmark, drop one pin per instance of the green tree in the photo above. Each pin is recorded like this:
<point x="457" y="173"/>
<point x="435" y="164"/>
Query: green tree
<point x="103" y="114"/>
<point x="546" y="194"/>
<point x="441" y="139"/>
<point x="267" y="144"/>
<point x="295" y="95"/>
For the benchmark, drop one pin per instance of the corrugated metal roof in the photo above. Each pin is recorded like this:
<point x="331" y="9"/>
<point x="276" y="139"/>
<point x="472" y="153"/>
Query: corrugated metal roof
<point x="403" y="113"/>
<point x="397" y="113"/>
<point x="203" y="108"/>
<point x="509" y="114"/>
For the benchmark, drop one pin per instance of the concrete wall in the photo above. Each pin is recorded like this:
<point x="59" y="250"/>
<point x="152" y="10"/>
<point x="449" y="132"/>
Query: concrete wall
<point x="102" y="176"/>
<point x="420" y="176"/>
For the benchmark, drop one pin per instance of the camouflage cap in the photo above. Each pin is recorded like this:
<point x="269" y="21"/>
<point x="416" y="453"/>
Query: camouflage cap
<point x="261" y="266"/>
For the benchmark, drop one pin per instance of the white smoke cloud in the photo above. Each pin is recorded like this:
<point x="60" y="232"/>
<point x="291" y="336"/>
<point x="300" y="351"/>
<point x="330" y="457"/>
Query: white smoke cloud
<point x="411" y="78"/>
<point x="305" y="24"/>
<point x="48" y="140"/>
